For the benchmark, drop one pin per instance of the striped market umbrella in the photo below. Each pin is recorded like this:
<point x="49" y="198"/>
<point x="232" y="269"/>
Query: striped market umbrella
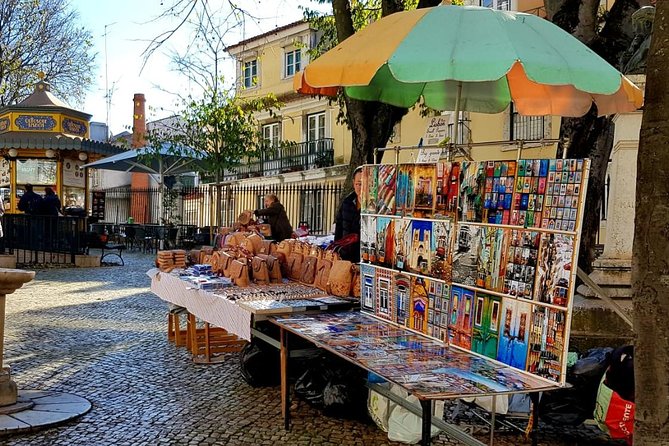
<point x="466" y="58"/>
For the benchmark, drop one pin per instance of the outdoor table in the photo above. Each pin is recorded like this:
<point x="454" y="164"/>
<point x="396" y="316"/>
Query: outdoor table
<point x="425" y="367"/>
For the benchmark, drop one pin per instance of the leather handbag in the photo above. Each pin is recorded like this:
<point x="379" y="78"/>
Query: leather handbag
<point x="234" y="239"/>
<point x="331" y="255"/>
<point x="315" y="251"/>
<point x="239" y="272"/>
<point x="257" y="242"/>
<point x="294" y="265"/>
<point x="248" y="245"/>
<point x="226" y="259"/>
<point x="265" y="247"/>
<point x="339" y="281"/>
<point x="355" y="280"/>
<point x="322" y="274"/>
<point x="260" y="271"/>
<point x="194" y="256"/>
<point x="215" y="262"/>
<point x="273" y="267"/>
<point x="308" y="273"/>
<point x="264" y="229"/>
<point x="284" y="247"/>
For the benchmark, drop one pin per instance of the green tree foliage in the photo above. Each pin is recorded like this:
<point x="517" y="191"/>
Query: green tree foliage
<point x="43" y="35"/>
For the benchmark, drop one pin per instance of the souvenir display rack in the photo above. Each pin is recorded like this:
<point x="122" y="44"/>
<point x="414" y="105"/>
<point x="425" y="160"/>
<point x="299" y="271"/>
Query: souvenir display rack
<point x="480" y="255"/>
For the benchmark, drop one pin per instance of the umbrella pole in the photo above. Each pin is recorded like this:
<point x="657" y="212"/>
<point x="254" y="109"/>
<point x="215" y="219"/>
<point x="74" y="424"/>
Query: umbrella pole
<point x="160" y="190"/>
<point x="458" y="96"/>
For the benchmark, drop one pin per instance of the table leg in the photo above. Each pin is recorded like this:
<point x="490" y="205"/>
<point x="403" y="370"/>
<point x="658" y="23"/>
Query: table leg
<point x="426" y="436"/>
<point x="285" y="388"/>
<point x="492" y="420"/>
<point x="534" y="397"/>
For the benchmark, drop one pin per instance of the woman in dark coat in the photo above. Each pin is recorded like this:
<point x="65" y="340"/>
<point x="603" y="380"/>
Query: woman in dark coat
<point x="348" y="220"/>
<point x="277" y="218"/>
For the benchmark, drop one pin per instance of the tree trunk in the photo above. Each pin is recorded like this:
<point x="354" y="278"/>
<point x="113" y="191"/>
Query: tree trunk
<point x="650" y="267"/>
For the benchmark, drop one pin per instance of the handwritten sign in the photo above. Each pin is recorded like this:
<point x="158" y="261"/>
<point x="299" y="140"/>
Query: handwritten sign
<point x="437" y="130"/>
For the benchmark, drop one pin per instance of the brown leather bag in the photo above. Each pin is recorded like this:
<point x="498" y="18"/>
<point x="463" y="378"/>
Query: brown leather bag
<point x="308" y="273"/>
<point x="315" y="251"/>
<point x="331" y="255"/>
<point x="355" y="280"/>
<point x="239" y="272"/>
<point x="257" y="242"/>
<point x="248" y="245"/>
<point x="234" y="239"/>
<point x="265" y="247"/>
<point x="264" y="229"/>
<point x="322" y="274"/>
<point x="273" y="267"/>
<point x="285" y="247"/>
<point x="225" y="260"/>
<point x="215" y="262"/>
<point x="339" y="281"/>
<point x="259" y="271"/>
<point x="194" y="256"/>
<point x="294" y="265"/>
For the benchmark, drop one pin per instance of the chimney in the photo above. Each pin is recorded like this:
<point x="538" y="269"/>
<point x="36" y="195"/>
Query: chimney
<point x="138" y="120"/>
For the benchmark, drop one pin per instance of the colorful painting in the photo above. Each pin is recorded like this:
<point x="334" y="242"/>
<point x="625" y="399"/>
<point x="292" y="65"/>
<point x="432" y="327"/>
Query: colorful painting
<point x="461" y="311"/>
<point x="554" y="271"/>
<point x="465" y="257"/>
<point x="419" y="303"/>
<point x="369" y="189"/>
<point x="385" y="244"/>
<point x="403" y="248"/>
<point x="368" y="238"/>
<point x="514" y="333"/>
<point x="563" y="193"/>
<point x="490" y="273"/>
<point x="404" y="195"/>
<point x="384" y="298"/>
<point x="385" y="201"/>
<point x="521" y="263"/>
<point x="498" y="191"/>
<point x="421" y="246"/>
<point x="472" y="182"/>
<point x="547" y="342"/>
<point x="485" y="333"/>
<point x="367" y="288"/>
<point x="425" y="183"/>
<point x="440" y="246"/>
<point x="402" y="296"/>
<point x="446" y="196"/>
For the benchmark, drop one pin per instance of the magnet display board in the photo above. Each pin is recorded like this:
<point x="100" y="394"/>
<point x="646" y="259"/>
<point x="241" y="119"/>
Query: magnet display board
<point x="480" y="255"/>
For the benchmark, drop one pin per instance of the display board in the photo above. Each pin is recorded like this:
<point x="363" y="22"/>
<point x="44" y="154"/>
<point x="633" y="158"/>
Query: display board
<point x="480" y="255"/>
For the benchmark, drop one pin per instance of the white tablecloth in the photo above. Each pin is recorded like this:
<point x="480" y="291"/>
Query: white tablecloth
<point x="203" y="304"/>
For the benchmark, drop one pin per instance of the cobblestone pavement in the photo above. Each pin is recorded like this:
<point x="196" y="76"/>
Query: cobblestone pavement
<point x="101" y="334"/>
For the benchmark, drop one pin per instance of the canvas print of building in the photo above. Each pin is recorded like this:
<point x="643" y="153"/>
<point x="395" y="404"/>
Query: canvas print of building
<point x="529" y="190"/>
<point x="385" y="241"/>
<point x="367" y="291"/>
<point x="472" y="181"/>
<point x="404" y="195"/>
<point x="384" y="298"/>
<point x="402" y="296"/>
<point x="514" y="333"/>
<point x="369" y="189"/>
<point x="465" y="257"/>
<point x="547" y="342"/>
<point x="442" y="237"/>
<point x="460" y="320"/>
<point x="425" y="184"/>
<point x="562" y="194"/>
<point x="403" y="244"/>
<point x="553" y="279"/>
<point x="368" y="238"/>
<point x="385" y="201"/>
<point x="485" y="333"/>
<point x="521" y="263"/>
<point x="438" y="304"/>
<point x="491" y="253"/>
<point x="421" y="246"/>
<point x="420" y="303"/>
<point x="447" y="190"/>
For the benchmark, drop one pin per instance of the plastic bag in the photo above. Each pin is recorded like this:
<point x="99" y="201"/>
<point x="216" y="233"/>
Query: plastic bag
<point x="260" y="364"/>
<point x="613" y="414"/>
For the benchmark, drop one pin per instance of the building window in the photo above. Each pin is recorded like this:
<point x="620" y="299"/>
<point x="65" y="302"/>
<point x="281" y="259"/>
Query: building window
<point x="250" y="73"/>
<point x="311" y="209"/>
<point x="292" y="62"/>
<point x="271" y="134"/>
<point x="528" y="128"/>
<point x="316" y="126"/>
<point x="502" y="5"/>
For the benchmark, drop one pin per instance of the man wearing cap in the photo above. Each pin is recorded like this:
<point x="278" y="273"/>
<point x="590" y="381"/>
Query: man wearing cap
<point x="30" y="203"/>
<point x="278" y="219"/>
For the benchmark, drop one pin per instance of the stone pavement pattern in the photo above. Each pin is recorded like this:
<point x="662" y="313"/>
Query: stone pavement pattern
<point x="100" y="333"/>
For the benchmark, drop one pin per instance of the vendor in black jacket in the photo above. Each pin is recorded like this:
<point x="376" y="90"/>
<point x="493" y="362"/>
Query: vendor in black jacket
<point x="348" y="219"/>
<point x="277" y="218"/>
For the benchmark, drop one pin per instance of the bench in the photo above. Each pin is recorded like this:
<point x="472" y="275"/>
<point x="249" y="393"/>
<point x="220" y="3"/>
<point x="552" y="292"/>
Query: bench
<point x="95" y="240"/>
<point x="424" y="367"/>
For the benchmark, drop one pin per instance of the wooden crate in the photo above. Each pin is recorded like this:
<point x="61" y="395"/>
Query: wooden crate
<point x="208" y="344"/>
<point x="175" y="332"/>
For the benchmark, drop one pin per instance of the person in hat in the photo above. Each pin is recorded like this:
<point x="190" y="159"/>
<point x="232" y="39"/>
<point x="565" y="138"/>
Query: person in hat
<point x="30" y="203"/>
<point x="277" y="218"/>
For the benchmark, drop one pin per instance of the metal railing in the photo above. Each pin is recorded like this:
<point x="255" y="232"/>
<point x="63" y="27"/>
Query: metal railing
<point x="288" y="157"/>
<point x="41" y="239"/>
<point x="528" y="128"/>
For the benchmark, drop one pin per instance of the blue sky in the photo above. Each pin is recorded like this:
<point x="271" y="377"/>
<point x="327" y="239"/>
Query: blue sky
<point x="129" y="28"/>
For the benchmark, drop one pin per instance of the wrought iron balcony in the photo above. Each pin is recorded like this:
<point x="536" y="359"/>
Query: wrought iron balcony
<point x="288" y="157"/>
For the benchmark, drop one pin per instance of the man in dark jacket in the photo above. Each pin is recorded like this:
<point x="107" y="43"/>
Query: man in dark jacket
<point x="348" y="220"/>
<point x="30" y="203"/>
<point x="50" y="203"/>
<point x="277" y="218"/>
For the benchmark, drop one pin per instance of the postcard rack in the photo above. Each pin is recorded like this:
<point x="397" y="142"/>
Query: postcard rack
<point x="479" y="255"/>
